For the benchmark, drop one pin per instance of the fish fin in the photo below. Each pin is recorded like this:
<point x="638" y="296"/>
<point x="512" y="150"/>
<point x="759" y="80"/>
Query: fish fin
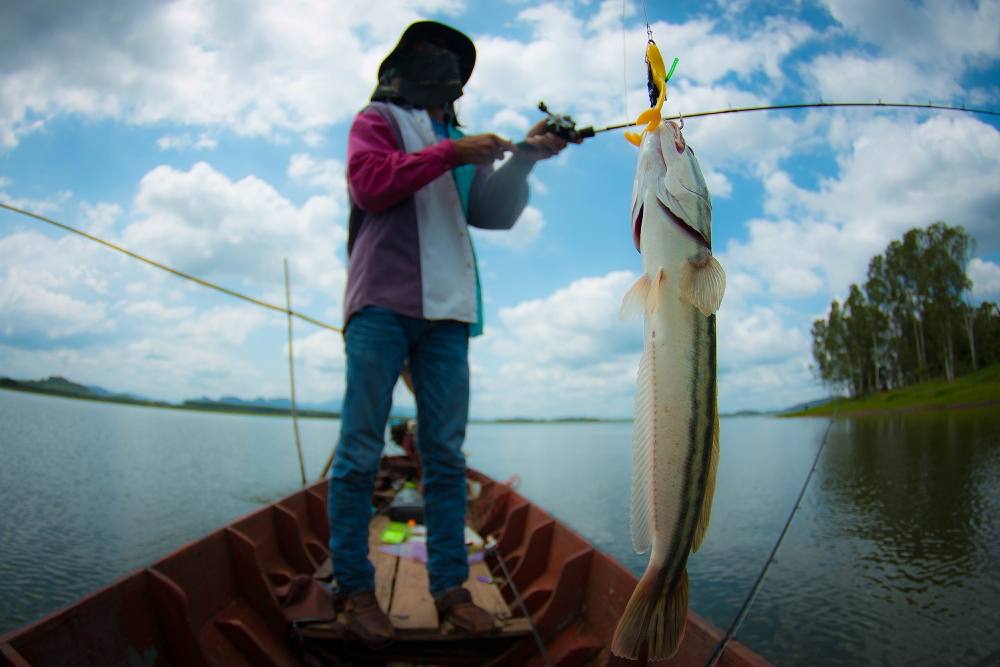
<point x="640" y="518"/>
<point x="706" y="504"/>
<point x="656" y="615"/>
<point x="653" y="297"/>
<point x="643" y="296"/>
<point x="703" y="283"/>
<point x="635" y="299"/>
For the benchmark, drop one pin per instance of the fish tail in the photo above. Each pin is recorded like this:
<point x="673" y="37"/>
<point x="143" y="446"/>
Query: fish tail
<point x="656" y="615"/>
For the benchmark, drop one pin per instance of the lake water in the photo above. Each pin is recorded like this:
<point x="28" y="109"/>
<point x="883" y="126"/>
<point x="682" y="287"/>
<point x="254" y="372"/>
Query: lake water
<point x="893" y="558"/>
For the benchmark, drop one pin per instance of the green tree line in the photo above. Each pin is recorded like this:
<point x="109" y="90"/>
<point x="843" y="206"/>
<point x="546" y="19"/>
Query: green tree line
<point x="912" y="320"/>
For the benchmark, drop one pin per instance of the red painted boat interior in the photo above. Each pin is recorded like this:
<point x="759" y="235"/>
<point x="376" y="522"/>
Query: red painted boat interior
<point x="214" y="601"/>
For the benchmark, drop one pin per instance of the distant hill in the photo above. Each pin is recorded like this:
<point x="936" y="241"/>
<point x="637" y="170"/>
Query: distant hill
<point x="808" y="405"/>
<point x="60" y="386"/>
<point x="747" y="413"/>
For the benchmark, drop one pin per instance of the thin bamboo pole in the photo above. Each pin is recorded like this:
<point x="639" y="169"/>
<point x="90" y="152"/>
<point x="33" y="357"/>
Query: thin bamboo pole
<point x="291" y="375"/>
<point x="326" y="467"/>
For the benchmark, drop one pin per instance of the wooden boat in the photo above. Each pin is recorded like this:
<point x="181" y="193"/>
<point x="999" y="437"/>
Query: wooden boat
<point x="217" y="601"/>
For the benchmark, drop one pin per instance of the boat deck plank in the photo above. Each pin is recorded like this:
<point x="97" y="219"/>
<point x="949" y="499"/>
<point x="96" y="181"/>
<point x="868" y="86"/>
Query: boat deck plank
<point x="385" y="564"/>
<point x="412" y="604"/>
<point x="485" y="593"/>
<point x="402" y="587"/>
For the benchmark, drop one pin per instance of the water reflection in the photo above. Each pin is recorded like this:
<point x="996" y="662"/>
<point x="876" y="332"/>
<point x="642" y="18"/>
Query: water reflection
<point x="893" y="559"/>
<point x="917" y="488"/>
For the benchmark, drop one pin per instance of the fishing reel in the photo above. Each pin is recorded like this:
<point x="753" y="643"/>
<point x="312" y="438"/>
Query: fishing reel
<point x="564" y="126"/>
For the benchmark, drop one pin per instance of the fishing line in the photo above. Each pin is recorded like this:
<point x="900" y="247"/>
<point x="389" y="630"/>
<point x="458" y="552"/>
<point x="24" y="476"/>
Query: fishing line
<point x="741" y="615"/>
<point x="494" y="551"/>
<point x="625" y="60"/>
<point x="176" y="272"/>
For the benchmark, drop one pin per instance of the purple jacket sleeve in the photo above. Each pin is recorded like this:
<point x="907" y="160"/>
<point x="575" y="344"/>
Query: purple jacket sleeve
<point x="380" y="174"/>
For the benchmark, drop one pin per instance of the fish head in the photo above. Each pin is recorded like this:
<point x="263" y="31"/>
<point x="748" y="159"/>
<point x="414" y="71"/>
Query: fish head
<point x="668" y="169"/>
<point x="684" y="192"/>
<point x="650" y="170"/>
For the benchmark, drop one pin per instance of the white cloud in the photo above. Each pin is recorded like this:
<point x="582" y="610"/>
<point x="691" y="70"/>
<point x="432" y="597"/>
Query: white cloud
<point x="569" y="354"/>
<point x="757" y="336"/>
<point x="201" y="222"/>
<point x="769" y="386"/>
<point x="184" y="141"/>
<point x="320" y="364"/>
<point x="50" y="289"/>
<point x="101" y="217"/>
<point x="893" y="174"/>
<point x="749" y="142"/>
<point x="55" y="313"/>
<point x="73" y="307"/>
<point x="515" y="123"/>
<point x="258" y="69"/>
<point x="158" y="311"/>
<point x="565" y="354"/>
<point x="925" y="32"/>
<point x="854" y="77"/>
<point x="900" y="173"/>
<point x="46" y="206"/>
<point x="537" y="185"/>
<point x="985" y="277"/>
<point x="525" y="231"/>
<point x="326" y="175"/>
<point x="577" y="65"/>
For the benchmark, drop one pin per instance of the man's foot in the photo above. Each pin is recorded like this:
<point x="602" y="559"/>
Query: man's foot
<point x="367" y="620"/>
<point x="455" y="605"/>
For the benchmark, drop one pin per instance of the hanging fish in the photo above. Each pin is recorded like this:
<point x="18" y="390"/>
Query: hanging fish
<point x="676" y="429"/>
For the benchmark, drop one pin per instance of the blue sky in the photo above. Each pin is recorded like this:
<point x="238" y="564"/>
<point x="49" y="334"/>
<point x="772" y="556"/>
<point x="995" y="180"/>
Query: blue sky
<point x="211" y="137"/>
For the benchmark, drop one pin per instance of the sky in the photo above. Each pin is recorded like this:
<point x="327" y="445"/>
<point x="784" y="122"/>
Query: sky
<point x="211" y="137"/>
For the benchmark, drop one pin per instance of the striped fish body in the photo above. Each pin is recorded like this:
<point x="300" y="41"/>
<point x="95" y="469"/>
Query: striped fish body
<point x="675" y="435"/>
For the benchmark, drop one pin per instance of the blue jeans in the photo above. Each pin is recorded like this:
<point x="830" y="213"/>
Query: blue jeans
<point x="378" y="342"/>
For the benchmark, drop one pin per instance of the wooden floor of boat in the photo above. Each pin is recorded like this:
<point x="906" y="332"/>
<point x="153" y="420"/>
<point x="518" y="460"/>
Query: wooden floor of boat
<point x="402" y="590"/>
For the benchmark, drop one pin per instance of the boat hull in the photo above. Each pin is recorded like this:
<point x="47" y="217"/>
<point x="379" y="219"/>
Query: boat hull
<point x="214" y="601"/>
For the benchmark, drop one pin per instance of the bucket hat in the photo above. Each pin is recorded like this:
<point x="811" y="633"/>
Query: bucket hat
<point x="440" y="35"/>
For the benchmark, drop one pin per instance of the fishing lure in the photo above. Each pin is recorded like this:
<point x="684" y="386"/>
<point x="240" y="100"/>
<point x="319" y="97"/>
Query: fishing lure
<point x="658" y="77"/>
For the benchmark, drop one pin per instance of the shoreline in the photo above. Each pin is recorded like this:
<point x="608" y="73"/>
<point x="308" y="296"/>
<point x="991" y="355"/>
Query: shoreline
<point x="904" y="409"/>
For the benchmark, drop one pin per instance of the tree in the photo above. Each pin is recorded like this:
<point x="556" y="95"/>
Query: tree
<point x="910" y="320"/>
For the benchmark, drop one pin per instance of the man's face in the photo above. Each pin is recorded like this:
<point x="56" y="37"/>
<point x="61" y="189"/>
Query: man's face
<point x="430" y="74"/>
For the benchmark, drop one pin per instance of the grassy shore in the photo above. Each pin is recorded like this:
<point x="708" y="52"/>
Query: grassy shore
<point x="981" y="388"/>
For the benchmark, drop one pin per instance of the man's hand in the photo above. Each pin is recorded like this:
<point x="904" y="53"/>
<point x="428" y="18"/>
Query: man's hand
<point x="541" y="143"/>
<point x="481" y="148"/>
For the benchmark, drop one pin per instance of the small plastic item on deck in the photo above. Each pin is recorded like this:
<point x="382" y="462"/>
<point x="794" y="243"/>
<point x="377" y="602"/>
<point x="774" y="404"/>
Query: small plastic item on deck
<point x="394" y="533"/>
<point x="473" y="540"/>
<point x="408" y="504"/>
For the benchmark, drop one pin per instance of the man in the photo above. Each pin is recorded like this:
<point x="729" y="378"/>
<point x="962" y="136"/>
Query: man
<point x="413" y="297"/>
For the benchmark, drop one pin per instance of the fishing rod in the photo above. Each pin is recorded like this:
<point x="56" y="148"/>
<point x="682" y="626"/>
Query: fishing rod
<point x="565" y="127"/>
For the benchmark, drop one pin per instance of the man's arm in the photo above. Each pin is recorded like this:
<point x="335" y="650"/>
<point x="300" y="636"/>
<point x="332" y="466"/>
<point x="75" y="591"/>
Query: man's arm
<point x="498" y="197"/>
<point x="380" y="174"/>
